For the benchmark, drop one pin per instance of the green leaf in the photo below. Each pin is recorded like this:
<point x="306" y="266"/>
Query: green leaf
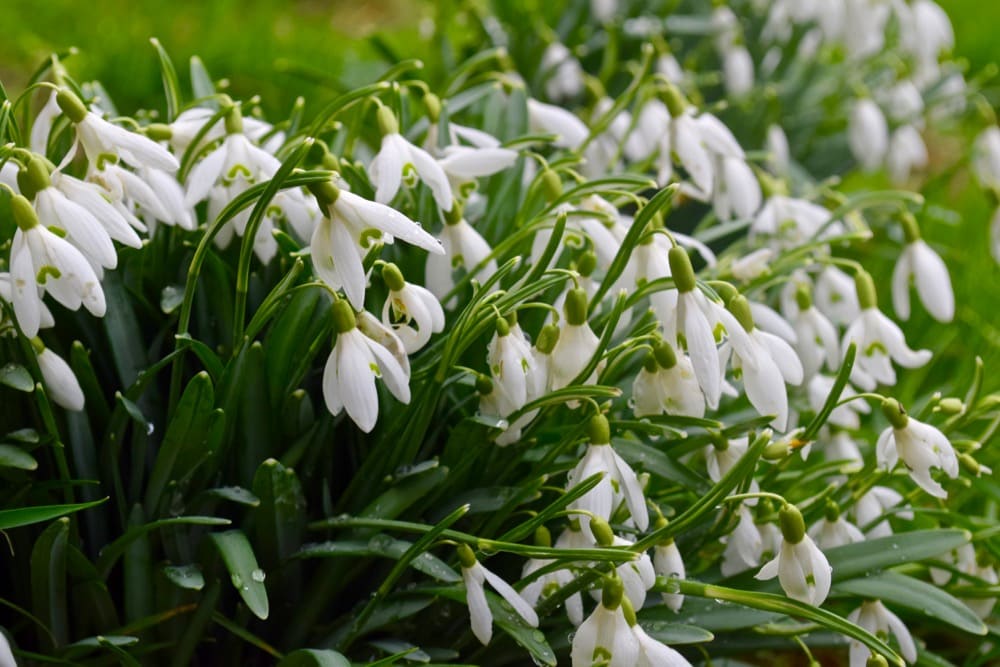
<point x="116" y="549"/>
<point x="48" y="580"/>
<point x="531" y="639"/>
<point x="676" y="633"/>
<point x="309" y="657"/>
<point x="659" y="463"/>
<point x="899" y="590"/>
<point x="834" y="396"/>
<point x="101" y="640"/>
<point x="247" y="578"/>
<point x="853" y="560"/>
<point x="201" y="83"/>
<point x="15" y="457"/>
<point x="17" y="377"/>
<point x="24" y="516"/>
<point x="185" y="576"/>
<point x="280" y="517"/>
<point x="234" y="494"/>
<point x="171" y="87"/>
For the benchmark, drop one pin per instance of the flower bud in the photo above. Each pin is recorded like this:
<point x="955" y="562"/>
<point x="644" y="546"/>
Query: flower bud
<point x="551" y="185"/>
<point x="803" y="297"/>
<point x="484" y="385"/>
<point x="33" y="177"/>
<point x="386" y="119"/>
<point x="894" y="412"/>
<point x="599" y="430"/>
<point x="502" y="327"/>
<point x="681" y="269"/>
<point x="665" y="355"/>
<point x="602" y="532"/>
<point x="876" y="660"/>
<point x="831" y="511"/>
<point x="24" y="214"/>
<point x="71" y="105"/>
<point x="343" y="316"/>
<point x="740" y="308"/>
<point x="234" y="120"/>
<point x="675" y="101"/>
<point x="865" y="287"/>
<point x="392" y="277"/>
<point x="576" y="307"/>
<point x="586" y="263"/>
<point x="466" y="556"/>
<point x="454" y="216"/>
<point x="612" y="593"/>
<point x="326" y="193"/>
<point x="951" y="406"/>
<point x="725" y="290"/>
<point x="628" y="611"/>
<point x="793" y="527"/>
<point x="776" y="450"/>
<point x="547" y="338"/>
<point x="433" y="105"/>
<point x="543" y="537"/>
<point x="159" y="131"/>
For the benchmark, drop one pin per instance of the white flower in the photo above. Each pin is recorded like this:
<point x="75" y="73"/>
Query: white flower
<point x="398" y="157"/>
<point x="868" y="134"/>
<point x="803" y="570"/>
<point x="651" y="132"/>
<point x="667" y="562"/>
<point x="873" y="505"/>
<point x="767" y="363"/>
<point x="511" y="362"/>
<point x="570" y="131"/>
<point x="667" y="384"/>
<point x="235" y="161"/>
<point x="60" y="382"/>
<point x="737" y="70"/>
<point x="547" y="584"/>
<point x="835" y="296"/>
<point x="693" y="323"/>
<point x="56" y="211"/>
<point x="605" y="639"/>
<point x="919" y="445"/>
<point x="986" y="158"/>
<point x="99" y="137"/>
<point x="780" y="154"/>
<point x="350" y="372"/>
<point x="171" y="195"/>
<point x="475" y="577"/>
<point x="464" y="164"/>
<point x="876" y="619"/>
<point x="116" y="220"/>
<point x="562" y="72"/>
<point x="752" y="265"/>
<point x="790" y="222"/>
<point x="744" y="546"/>
<point x="464" y="249"/>
<point x="845" y="415"/>
<point x="815" y="337"/>
<point x="879" y="342"/>
<point x="653" y="653"/>
<point x="834" y="532"/>
<point x="907" y="153"/>
<point x="930" y="275"/>
<point x="618" y="482"/>
<point x="410" y="310"/>
<point x="577" y="343"/>
<point x="334" y="247"/>
<point x="41" y="262"/>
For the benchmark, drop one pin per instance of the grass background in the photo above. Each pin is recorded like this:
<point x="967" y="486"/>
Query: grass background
<point x="311" y="48"/>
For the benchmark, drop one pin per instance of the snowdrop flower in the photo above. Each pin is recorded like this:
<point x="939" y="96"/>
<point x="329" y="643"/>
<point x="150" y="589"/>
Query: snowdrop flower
<point x="570" y="131"/>
<point x="398" y="157"/>
<point x="510" y="360"/>
<point x="564" y="76"/>
<point x="800" y="566"/>
<point x="667" y="562"/>
<point x="737" y="71"/>
<point x="907" y="153"/>
<point x="653" y="653"/>
<point x="780" y="154"/>
<point x="618" y="481"/>
<point x="42" y="262"/>
<point x="60" y="382"/>
<point x="876" y="619"/>
<point x="464" y="164"/>
<point x="118" y="222"/>
<point x="577" y="343"/>
<point x="637" y="575"/>
<point x="693" y="324"/>
<point x="604" y="10"/>
<point x="411" y="310"/>
<point x="463" y="249"/>
<point x="547" y="584"/>
<point x="334" y="247"/>
<point x="815" y="336"/>
<point x="737" y="193"/>
<point x="45" y="319"/>
<point x="41" y="128"/>
<point x="929" y="273"/>
<point x="722" y="455"/>
<point x="667" y="384"/>
<point x="744" y="546"/>
<point x="475" y="577"/>
<point x="130" y="191"/>
<point x="833" y="530"/>
<point x="790" y="222"/>
<point x="986" y="158"/>
<point x="752" y="265"/>
<point x="171" y="195"/>
<point x="836" y="296"/>
<point x="873" y="505"/>
<point x="767" y="363"/>
<point x="868" y="134"/>
<point x="651" y="132"/>
<point x="879" y="341"/>
<point x="350" y="372"/>
<point x="920" y="445"/>
<point x="606" y="639"/>
<point x="58" y="212"/>
<point x="99" y="137"/>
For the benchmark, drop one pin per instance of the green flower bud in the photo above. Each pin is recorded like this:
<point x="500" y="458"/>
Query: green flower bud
<point x="793" y="527"/>
<point x="675" y="100"/>
<point x="326" y="193"/>
<point x="547" y="338"/>
<point x="951" y="406"/>
<point x="612" y="593"/>
<point x="484" y="385"/>
<point x="551" y="185"/>
<point x="876" y="660"/>
<point x="831" y="511"/>
<point x="159" y="131"/>
<point x="664" y="354"/>
<point x="234" y="120"/>
<point x="433" y="105"/>
<point x="725" y="290"/>
<point x="681" y="269"/>
<point x="543" y="538"/>
<point x="628" y="611"/>
<point x="393" y="277"/>
<point x="502" y="327"/>
<point x="865" y="287"/>
<point x="71" y="105"/>
<point x="387" y="123"/>
<point x="576" y="307"/>
<point x="466" y="556"/>
<point x="911" y="230"/>
<point x="37" y="345"/>
<point x="803" y="297"/>
<point x="776" y="450"/>
<point x="601" y="529"/>
<point x="740" y="308"/>
<point x="343" y="316"/>
<point x="599" y="430"/>
<point x="649" y="363"/>
<point x="895" y="413"/>
<point x="33" y="177"/>
<point x="454" y="216"/>
<point x="24" y="214"/>
<point x="586" y="263"/>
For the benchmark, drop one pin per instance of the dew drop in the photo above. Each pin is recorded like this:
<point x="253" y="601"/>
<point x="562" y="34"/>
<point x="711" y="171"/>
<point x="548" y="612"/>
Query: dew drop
<point x="258" y="575"/>
<point x="237" y="581"/>
<point x="150" y="428"/>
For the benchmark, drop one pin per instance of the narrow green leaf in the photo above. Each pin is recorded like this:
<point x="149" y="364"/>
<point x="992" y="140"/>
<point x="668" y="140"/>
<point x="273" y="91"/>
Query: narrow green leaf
<point x="185" y="576"/>
<point x="15" y="457"/>
<point x="24" y="516"/>
<point x="247" y="578"/>
<point x="308" y="657"/>
<point x="201" y="84"/>
<point x="897" y="589"/>
<point x="531" y="639"/>
<point x="17" y="377"/>
<point x="853" y="560"/>
<point x="171" y="87"/>
<point x="48" y="581"/>
<point x="112" y="552"/>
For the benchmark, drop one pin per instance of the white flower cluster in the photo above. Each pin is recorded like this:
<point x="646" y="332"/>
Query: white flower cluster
<point x="703" y="342"/>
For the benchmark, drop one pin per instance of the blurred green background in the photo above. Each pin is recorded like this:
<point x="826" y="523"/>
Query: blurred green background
<point x="280" y="49"/>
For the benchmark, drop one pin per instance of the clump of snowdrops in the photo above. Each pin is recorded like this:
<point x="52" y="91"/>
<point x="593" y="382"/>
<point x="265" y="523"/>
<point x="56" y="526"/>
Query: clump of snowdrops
<point x="565" y="347"/>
